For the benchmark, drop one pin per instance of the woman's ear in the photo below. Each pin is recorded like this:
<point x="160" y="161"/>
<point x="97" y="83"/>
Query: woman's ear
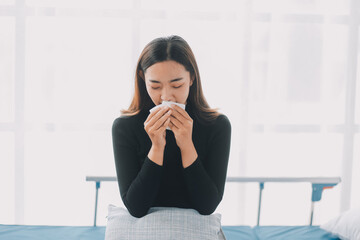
<point x="192" y="80"/>
<point x="141" y="74"/>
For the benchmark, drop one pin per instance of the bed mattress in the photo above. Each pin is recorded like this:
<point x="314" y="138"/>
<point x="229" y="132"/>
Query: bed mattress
<point x="29" y="232"/>
<point x="277" y="232"/>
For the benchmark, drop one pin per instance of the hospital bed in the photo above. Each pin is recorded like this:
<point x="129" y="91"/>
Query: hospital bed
<point x="258" y="232"/>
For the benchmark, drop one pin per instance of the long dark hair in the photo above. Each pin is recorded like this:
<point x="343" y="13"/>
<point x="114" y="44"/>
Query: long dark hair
<point x="163" y="49"/>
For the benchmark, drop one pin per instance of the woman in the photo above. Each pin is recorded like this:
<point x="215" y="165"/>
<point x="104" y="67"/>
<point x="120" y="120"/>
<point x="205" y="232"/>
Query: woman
<point x="185" y="166"/>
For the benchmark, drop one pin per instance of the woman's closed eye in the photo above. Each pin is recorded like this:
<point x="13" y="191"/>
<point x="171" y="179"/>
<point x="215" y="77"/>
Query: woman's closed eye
<point x="159" y="87"/>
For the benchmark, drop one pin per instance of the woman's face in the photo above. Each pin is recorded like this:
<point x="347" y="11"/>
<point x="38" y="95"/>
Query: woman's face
<point x="167" y="81"/>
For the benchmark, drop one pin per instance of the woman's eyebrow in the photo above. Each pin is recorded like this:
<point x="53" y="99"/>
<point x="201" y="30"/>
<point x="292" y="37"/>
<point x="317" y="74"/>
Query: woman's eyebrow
<point x="174" y="80"/>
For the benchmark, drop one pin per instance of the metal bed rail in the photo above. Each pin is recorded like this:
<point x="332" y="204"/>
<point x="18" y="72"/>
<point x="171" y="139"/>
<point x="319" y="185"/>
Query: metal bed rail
<point x="318" y="184"/>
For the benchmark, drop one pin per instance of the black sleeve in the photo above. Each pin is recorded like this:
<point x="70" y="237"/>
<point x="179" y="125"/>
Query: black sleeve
<point x="205" y="178"/>
<point x="139" y="185"/>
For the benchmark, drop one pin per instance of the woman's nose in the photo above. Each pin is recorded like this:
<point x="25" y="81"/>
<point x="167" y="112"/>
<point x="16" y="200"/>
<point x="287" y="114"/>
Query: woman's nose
<point x="166" y="95"/>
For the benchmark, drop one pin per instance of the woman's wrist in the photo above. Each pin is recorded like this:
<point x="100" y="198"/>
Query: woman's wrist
<point x="156" y="154"/>
<point x="188" y="155"/>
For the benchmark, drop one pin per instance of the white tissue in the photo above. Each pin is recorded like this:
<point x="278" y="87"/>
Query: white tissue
<point x="168" y="103"/>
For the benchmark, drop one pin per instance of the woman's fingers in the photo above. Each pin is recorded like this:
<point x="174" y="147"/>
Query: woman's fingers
<point x="175" y="122"/>
<point x="160" y="122"/>
<point x="180" y="113"/>
<point x="154" y="116"/>
<point x="180" y="116"/>
<point x="165" y="125"/>
<point x="156" y="124"/>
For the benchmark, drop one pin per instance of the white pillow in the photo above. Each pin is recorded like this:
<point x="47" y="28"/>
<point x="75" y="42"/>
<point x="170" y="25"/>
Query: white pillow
<point x="162" y="223"/>
<point x="346" y="226"/>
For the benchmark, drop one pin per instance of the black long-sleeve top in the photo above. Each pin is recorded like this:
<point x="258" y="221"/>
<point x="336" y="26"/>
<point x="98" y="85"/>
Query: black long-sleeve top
<point x="144" y="184"/>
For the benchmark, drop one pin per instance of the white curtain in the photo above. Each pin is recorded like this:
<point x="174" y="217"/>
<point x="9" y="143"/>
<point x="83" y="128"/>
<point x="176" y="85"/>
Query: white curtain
<point x="284" y="72"/>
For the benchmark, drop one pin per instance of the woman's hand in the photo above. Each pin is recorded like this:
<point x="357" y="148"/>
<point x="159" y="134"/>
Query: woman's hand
<point x="182" y="125"/>
<point x="155" y="126"/>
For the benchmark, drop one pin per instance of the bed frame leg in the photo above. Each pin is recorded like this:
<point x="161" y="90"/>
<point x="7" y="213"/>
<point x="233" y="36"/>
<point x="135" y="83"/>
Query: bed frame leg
<point x="317" y="189"/>
<point x="261" y="187"/>
<point x="96" y="201"/>
<point x="312" y="213"/>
